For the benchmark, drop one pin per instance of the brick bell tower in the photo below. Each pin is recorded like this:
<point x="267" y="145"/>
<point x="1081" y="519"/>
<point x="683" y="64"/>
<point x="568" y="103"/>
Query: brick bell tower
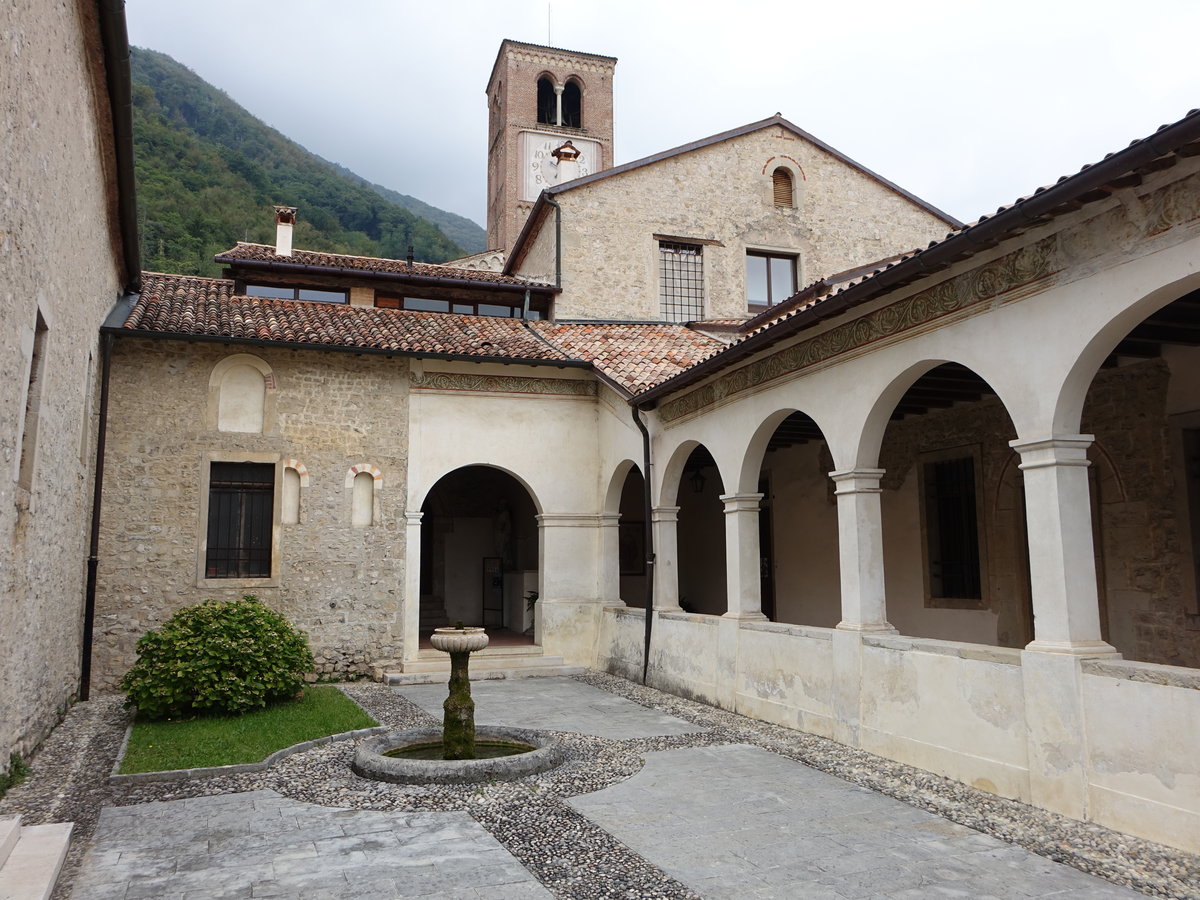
<point x="538" y="99"/>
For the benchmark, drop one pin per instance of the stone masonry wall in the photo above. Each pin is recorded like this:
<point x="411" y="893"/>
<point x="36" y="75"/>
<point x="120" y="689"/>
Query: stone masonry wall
<point x="57" y="256"/>
<point x="340" y="584"/>
<point x="842" y="218"/>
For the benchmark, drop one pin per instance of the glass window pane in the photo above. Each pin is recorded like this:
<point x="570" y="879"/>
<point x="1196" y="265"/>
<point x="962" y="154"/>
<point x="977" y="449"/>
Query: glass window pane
<point x="322" y="296"/>
<point x="756" y="280"/>
<point x="426" y="305"/>
<point x="466" y="309"/>
<point x="492" y="309"/>
<point x="783" y="278"/>
<point x="267" y="290"/>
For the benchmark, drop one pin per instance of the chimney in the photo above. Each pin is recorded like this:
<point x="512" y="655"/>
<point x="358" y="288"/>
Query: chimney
<point x="568" y="162"/>
<point x="285" y="218"/>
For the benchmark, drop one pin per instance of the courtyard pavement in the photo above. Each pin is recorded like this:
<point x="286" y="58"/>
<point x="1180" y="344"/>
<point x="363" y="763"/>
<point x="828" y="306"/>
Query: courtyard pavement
<point x="726" y="820"/>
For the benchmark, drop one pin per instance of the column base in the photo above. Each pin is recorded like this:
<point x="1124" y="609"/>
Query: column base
<point x="868" y="627"/>
<point x="1074" y="648"/>
<point x="745" y="616"/>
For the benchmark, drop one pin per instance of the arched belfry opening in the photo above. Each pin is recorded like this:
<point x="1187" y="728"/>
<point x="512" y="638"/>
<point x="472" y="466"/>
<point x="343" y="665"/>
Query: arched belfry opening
<point x="547" y="102"/>
<point x="479" y="554"/>
<point x="572" y="105"/>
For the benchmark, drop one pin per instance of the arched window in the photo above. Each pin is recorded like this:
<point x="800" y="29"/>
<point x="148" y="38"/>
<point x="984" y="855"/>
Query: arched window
<point x="240" y="390"/>
<point x="781" y="182"/>
<point x="572" y="105"/>
<point x="362" y="512"/>
<point x="547" y="102"/>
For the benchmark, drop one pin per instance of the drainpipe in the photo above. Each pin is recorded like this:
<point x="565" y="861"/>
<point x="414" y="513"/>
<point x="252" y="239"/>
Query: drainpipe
<point x="557" y="240"/>
<point x="525" y="307"/>
<point x="647" y="505"/>
<point x="93" y="560"/>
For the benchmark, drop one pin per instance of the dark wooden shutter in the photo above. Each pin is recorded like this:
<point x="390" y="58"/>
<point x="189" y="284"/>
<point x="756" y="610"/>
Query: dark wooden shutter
<point x="782" y="182"/>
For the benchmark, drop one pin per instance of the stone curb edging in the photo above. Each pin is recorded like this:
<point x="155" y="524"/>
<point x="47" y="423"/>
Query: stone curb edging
<point x="237" y="768"/>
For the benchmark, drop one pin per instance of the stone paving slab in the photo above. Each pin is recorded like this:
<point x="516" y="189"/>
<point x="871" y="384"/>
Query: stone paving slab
<point x="735" y="822"/>
<point x="555" y="704"/>
<point x="259" y="844"/>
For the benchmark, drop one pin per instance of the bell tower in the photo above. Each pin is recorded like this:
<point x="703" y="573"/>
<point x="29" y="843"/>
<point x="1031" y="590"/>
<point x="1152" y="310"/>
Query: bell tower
<point x="539" y="98"/>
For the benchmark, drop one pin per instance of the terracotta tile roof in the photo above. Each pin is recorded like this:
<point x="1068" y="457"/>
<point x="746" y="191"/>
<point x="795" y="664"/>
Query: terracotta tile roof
<point x="368" y="265"/>
<point x="633" y="355"/>
<point x="207" y="307"/>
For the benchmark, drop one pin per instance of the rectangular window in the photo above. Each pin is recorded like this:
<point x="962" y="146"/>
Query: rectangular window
<point x="297" y="292"/>
<point x="952" y="533"/>
<point x="459" y="307"/>
<point x="241" y="500"/>
<point x="681" y="281"/>
<point x="770" y="277"/>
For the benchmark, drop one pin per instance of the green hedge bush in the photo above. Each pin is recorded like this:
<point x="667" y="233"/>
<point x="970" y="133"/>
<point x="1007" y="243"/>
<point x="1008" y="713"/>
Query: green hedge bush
<point x="218" y="657"/>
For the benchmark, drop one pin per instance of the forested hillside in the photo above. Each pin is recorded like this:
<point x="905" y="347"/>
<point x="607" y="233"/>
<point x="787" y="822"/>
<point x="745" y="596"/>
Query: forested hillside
<point x="208" y="173"/>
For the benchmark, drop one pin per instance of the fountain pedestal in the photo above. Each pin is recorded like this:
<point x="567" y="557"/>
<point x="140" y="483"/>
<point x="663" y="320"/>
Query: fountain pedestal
<point x="458" y="718"/>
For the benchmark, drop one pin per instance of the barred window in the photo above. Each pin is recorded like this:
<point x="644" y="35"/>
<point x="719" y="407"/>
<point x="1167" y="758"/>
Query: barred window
<point x="241" y="500"/>
<point x="681" y="281"/>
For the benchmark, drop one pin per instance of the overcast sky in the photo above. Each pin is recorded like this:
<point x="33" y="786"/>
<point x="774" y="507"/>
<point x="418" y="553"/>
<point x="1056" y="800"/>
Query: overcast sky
<point x="967" y="104"/>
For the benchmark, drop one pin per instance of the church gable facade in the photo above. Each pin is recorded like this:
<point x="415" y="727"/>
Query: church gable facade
<point x="719" y="229"/>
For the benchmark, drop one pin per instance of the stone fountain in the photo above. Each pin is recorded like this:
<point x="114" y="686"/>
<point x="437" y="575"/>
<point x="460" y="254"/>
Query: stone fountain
<point x="455" y="754"/>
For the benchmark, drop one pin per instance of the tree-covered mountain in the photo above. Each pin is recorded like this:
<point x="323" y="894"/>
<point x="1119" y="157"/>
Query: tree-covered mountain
<point x="208" y="173"/>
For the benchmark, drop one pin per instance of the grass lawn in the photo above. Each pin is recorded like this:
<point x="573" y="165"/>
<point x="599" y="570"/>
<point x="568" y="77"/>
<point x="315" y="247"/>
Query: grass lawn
<point x="224" y="740"/>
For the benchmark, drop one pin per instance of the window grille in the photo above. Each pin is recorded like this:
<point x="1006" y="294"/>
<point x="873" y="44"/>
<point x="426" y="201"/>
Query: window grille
<point x="681" y="281"/>
<point x="241" y="500"/>
<point x="952" y="529"/>
<point x="781" y="182"/>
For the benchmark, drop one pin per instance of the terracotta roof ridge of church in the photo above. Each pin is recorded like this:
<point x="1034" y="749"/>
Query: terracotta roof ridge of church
<point x="985" y="233"/>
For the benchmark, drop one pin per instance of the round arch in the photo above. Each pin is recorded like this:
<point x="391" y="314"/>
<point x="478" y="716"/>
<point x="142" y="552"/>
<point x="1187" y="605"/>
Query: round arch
<point x="616" y="484"/>
<point x="1068" y="407"/>
<point x="875" y="423"/>
<point x="417" y="498"/>
<point x="756" y="448"/>
<point x="668" y="487"/>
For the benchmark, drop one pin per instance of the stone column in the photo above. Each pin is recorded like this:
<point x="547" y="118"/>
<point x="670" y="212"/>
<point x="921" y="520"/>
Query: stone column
<point x="743" y="589"/>
<point x="610" y="560"/>
<point x="1062" y="563"/>
<point x="558" y="92"/>
<point x="860" y="550"/>
<point x="568" y="608"/>
<point x="411" y="611"/>
<point x="665" y="520"/>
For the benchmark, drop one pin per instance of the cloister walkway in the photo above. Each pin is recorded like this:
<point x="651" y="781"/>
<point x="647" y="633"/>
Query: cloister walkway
<point x="662" y="798"/>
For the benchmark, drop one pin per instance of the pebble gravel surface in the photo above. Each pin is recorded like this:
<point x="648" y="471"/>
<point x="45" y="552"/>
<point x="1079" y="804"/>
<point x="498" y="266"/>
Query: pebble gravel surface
<point x="573" y="858"/>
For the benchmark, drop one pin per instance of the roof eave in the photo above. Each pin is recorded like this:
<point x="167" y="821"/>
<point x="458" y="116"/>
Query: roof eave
<point x="120" y="331"/>
<point x="314" y="269"/>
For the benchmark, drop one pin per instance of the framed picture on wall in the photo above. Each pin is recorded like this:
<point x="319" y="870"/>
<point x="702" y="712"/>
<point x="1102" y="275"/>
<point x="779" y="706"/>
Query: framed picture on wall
<point x="631" y="538"/>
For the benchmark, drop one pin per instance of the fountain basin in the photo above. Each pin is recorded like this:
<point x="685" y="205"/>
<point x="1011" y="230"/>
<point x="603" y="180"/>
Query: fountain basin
<point x="370" y="760"/>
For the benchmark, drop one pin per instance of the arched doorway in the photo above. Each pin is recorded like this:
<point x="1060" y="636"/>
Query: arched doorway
<point x="479" y="554"/>
<point x="628" y="500"/>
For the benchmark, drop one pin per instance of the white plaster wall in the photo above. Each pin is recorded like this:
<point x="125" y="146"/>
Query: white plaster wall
<point x="784" y="675"/>
<point x="684" y="655"/>
<point x="1143" y="774"/>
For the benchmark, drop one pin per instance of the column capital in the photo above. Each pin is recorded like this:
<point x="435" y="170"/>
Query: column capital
<point x="1055" y="450"/>
<point x="857" y="481"/>
<point x="414" y="518"/>
<point x="735" y="503"/>
<point x="664" y="514"/>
